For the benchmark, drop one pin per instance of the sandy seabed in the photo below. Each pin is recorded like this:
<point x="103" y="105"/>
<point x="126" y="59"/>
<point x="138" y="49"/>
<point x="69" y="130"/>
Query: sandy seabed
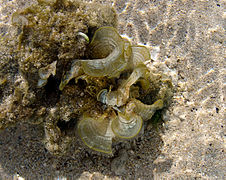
<point x="186" y="40"/>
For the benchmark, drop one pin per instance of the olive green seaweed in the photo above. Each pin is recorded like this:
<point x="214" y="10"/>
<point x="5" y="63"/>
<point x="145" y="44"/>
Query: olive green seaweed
<point x="111" y="57"/>
<point x="65" y="67"/>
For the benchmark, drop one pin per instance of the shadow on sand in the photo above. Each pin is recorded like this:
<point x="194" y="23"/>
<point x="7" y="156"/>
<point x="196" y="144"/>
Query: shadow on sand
<point x="22" y="152"/>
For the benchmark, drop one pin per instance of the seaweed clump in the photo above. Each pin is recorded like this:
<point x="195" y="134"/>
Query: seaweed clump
<point x="125" y="79"/>
<point x="101" y="91"/>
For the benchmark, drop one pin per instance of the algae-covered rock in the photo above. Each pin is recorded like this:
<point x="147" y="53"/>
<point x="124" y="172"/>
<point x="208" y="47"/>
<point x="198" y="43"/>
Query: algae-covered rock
<point x="51" y="75"/>
<point x="46" y="38"/>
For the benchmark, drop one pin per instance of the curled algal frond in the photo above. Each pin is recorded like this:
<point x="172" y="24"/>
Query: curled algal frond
<point x="128" y="124"/>
<point x="140" y="54"/>
<point x="144" y="110"/>
<point x="108" y="46"/>
<point x="45" y="72"/>
<point x="96" y="132"/>
<point x="121" y="95"/>
<point x="75" y="71"/>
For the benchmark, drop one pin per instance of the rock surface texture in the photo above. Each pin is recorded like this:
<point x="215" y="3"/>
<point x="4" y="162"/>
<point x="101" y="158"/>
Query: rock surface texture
<point x="186" y="41"/>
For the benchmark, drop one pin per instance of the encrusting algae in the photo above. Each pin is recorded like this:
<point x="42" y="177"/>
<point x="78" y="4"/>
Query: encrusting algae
<point x="103" y="89"/>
